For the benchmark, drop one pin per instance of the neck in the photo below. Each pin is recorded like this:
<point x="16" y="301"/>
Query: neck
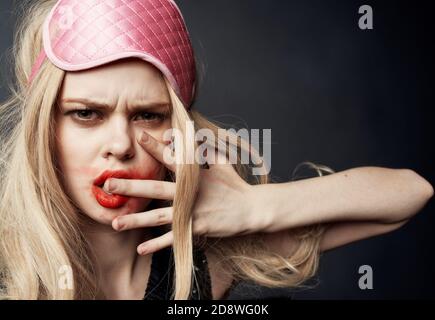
<point x="122" y="272"/>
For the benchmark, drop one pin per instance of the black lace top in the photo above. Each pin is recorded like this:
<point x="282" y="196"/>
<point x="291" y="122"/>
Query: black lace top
<point x="160" y="281"/>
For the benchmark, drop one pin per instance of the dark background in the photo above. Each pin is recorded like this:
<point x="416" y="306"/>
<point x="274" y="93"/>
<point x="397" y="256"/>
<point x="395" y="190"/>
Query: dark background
<point x="332" y="94"/>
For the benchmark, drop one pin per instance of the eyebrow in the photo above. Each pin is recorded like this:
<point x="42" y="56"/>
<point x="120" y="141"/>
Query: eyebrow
<point x="137" y="104"/>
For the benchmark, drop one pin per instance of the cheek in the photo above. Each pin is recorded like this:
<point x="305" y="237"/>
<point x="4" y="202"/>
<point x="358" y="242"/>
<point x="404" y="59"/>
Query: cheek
<point x="159" y="133"/>
<point x="74" y="148"/>
<point x="75" y="154"/>
<point x="153" y="169"/>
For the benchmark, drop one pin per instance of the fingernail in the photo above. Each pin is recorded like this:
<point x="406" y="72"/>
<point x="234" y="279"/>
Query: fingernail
<point x="109" y="185"/>
<point x="145" y="137"/>
<point x="143" y="249"/>
<point x="118" y="224"/>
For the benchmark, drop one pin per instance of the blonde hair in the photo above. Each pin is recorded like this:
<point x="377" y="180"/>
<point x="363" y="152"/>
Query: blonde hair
<point x="39" y="226"/>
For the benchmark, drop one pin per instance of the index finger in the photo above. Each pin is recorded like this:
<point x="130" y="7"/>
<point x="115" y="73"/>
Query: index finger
<point x="153" y="189"/>
<point x="158" y="150"/>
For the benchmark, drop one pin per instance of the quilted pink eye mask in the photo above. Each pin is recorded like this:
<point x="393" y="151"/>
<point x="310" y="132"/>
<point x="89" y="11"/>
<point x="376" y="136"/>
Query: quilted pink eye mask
<point x="82" y="34"/>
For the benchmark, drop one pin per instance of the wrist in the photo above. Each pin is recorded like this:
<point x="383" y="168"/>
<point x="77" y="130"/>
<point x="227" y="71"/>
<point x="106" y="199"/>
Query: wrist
<point x="263" y="207"/>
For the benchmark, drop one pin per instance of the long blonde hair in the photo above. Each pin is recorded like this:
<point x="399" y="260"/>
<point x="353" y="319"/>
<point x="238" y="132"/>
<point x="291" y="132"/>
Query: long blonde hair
<point x="39" y="226"/>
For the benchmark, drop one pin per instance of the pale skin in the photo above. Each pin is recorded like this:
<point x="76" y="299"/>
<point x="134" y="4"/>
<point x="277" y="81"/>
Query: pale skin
<point x="354" y="204"/>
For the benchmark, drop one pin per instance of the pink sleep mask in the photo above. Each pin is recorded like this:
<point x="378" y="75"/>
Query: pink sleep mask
<point x="82" y="34"/>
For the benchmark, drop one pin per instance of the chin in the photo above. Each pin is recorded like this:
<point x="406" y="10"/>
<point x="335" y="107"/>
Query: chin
<point x="106" y="215"/>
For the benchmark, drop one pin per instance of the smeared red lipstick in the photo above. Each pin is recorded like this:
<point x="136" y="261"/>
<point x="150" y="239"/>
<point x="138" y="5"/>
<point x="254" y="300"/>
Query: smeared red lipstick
<point x="112" y="201"/>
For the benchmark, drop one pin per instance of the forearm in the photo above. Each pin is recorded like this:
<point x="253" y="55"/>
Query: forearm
<point x="360" y="194"/>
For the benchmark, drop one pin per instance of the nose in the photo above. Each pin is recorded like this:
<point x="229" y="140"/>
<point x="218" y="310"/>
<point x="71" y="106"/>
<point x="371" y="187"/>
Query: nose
<point x="119" y="140"/>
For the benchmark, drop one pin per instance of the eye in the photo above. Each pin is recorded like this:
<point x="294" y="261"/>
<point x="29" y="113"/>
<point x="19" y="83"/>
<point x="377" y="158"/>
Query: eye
<point x="149" y="116"/>
<point x="85" y="115"/>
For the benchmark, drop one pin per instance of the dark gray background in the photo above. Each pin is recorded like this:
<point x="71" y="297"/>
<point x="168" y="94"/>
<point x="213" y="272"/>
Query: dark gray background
<point x="332" y="94"/>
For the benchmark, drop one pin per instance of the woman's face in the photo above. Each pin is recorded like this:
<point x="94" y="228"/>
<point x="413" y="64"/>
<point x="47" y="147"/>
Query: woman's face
<point x="101" y="114"/>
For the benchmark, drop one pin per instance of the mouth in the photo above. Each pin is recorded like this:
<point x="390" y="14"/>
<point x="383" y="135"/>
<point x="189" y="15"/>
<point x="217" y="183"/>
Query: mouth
<point x="108" y="200"/>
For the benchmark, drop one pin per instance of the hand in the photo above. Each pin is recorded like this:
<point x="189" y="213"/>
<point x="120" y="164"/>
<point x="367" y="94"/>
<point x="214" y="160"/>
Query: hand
<point x="223" y="207"/>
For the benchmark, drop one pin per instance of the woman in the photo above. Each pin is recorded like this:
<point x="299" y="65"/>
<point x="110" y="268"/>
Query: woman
<point x="86" y="185"/>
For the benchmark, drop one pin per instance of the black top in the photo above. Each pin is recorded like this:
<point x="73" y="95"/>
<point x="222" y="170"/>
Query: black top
<point x="160" y="281"/>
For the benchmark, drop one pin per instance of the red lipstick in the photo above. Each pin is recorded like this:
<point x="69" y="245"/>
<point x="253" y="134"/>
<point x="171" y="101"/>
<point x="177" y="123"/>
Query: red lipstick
<point x="112" y="201"/>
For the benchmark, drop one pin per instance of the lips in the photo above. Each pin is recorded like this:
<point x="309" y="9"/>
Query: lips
<point x="111" y="201"/>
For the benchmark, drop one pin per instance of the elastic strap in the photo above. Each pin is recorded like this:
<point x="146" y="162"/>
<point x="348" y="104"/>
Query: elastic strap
<point x="37" y="65"/>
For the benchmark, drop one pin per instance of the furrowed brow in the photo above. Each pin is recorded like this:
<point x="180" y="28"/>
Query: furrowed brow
<point x="136" y="105"/>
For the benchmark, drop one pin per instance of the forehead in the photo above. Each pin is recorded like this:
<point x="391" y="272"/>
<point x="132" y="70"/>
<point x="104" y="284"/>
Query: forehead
<point x="128" y="78"/>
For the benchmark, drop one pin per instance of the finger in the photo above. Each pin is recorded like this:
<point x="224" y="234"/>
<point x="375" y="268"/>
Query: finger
<point x="158" y="150"/>
<point x="151" y="218"/>
<point x="156" y="244"/>
<point x="155" y="189"/>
